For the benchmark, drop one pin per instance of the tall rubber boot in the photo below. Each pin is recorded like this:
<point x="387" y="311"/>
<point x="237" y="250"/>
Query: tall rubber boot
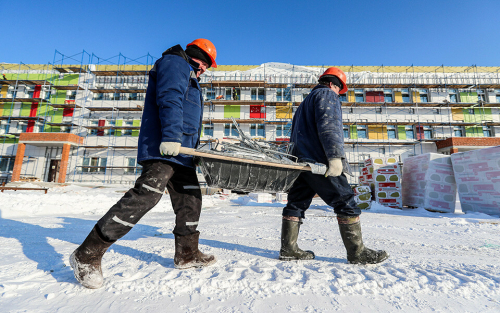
<point x="187" y="254"/>
<point x="289" y="248"/>
<point x="86" y="260"/>
<point x="357" y="253"/>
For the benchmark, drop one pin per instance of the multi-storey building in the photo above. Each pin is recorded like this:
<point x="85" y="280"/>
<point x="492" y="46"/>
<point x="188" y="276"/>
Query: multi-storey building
<point x="81" y="122"/>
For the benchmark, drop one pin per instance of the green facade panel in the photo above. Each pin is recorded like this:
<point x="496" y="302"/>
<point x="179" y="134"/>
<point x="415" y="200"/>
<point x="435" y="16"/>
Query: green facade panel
<point x="472" y="131"/>
<point x="231" y="111"/>
<point x="353" y="132"/>
<point x="135" y="133"/>
<point x="402" y="132"/>
<point x="118" y="132"/>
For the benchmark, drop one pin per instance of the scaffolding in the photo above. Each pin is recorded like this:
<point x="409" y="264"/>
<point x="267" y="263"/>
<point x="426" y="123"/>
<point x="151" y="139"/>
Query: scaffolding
<point x="402" y="110"/>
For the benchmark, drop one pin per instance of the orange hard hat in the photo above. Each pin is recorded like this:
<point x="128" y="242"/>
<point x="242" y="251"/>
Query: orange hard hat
<point x="335" y="71"/>
<point x="208" y="47"/>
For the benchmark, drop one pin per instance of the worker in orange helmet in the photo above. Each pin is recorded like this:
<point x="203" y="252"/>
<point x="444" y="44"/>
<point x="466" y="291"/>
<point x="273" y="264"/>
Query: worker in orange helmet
<point x="318" y="137"/>
<point x="172" y="116"/>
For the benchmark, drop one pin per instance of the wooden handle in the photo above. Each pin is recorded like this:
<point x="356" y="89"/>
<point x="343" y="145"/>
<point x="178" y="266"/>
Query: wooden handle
<point x="194" y="152"/>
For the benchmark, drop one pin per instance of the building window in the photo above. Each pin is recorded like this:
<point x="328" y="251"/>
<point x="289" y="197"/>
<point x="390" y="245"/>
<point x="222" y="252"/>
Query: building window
<point x="388" y="95"/>
<point x="115" y="96"/>
<point x="257" y="130"/>
<point x="283" y="130"/>
<point x="283" y="94"/>
<point x="406" y="97"/>
<point x="458" y="131"/>
<point x="127" y="131"/>
<point x="71" y="95"/>
<point x="343" y="97"/>
<point x="230" y="130"/>
<point x="92" y="165"/>
<point x="6" y="164"/>
<point x="481" y="97"/>
<point x="391" y="132"/>
<point x="409" y="132"/>
<point x="453" y="96"/>
<point x="132" y="96"/>
<point x="208" y="130"/>
<point x="98" y="96"/>
<point x="110" y="131"/>
<point x="486" y="131"/>
<point x="133" y="168"/>
<point x="497" y="95"/>
<point x="358" y="95"/>
<point x="257" y="94"/>
<point x="210" y="94"/>
<point x="362" y="133"/>
<point x="423" y="98"/>
<point x="236" y="94"/>
<point x="427" y="132"/>
<point x="30" y="94"/>
<point x="346" y="132"/>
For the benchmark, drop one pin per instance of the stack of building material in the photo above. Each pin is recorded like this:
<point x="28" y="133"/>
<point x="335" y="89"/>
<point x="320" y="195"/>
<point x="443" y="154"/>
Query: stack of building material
<point x="477" y="174"/>
<point x="282" y="197"/>
<point x="261" y="197"/>
<point x="383" y="175"/>
<point x="428" y="182"/>
<point x="363" y="197"/>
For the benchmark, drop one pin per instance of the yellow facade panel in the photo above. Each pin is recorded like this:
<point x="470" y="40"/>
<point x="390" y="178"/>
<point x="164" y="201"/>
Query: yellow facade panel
<point x="416" y="96"/>
<point x="350" y="96"/>
<point x="398" y="97"/>
<point x="377" y="132"/>
<point x="457" y="114"/>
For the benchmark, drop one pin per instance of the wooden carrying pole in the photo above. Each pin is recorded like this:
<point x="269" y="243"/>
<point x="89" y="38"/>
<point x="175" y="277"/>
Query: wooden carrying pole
<point x="194" y="152"/>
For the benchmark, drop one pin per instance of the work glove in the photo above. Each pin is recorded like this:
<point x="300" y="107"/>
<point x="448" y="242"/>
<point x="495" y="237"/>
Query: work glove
<point x="334" y="167"/>
<point x="169" y="148"/>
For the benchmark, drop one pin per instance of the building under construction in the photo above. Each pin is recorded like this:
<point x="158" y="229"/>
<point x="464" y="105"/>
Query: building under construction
<point x="77" y="119"/>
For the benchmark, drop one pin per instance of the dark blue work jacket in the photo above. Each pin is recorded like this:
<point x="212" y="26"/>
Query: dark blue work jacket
<point x="317" y="130"/>
<point x="173" y="109"/>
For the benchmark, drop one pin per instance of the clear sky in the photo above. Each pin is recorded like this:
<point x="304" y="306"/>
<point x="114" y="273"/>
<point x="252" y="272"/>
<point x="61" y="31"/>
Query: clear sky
<point x="327" y="32"/>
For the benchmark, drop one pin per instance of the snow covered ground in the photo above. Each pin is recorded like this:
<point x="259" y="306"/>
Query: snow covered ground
<point x="439" y="262"/>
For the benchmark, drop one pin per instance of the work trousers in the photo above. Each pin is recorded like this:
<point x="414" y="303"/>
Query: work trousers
<point x="184" y="190"/>
<point x="335" y="191"/>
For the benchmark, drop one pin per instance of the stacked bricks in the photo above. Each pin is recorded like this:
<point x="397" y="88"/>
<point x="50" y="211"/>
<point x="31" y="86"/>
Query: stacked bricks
<point x="383" y="175"/>
<point x="477" y="174"/>
<point x="363" y="197"/>
<point x="429" y="182"/>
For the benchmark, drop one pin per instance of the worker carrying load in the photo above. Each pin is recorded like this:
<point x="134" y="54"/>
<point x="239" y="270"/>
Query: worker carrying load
<point x="172" y="116"/>
<point x="318" y="137"/>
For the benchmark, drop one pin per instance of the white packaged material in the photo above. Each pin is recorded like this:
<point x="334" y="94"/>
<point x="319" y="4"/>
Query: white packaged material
<point x="477" y="174"/>
<point x="261" y="197"/>
<point x="282" y="197"/>
<point x="428" y="181"/>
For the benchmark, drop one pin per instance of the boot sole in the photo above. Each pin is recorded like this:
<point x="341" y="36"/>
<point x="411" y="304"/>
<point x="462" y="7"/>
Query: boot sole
<point x="195" y="265"/>
<point x="74" y="265"/>
<point x="290" y="258"/>
<point x="380" y="261"/>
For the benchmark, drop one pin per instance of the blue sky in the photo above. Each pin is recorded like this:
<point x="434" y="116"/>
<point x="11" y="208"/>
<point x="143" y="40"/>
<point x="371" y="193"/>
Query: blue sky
<point x="327" y="32"/>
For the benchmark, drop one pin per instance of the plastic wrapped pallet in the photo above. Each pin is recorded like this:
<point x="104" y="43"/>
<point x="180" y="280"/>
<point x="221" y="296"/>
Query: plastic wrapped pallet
<point x="381" y="174"/>
<point x="261" y="197"/>
<point x="428" y="182"/>
<point x="477" y="174"/>
<point x="282" y="197"/>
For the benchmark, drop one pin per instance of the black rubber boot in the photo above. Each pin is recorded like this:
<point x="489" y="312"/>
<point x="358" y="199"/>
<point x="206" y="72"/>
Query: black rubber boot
<point x="187" y="254"/>
<point x="357" y="253"/>
<point x="289" y="248"/>
<point x="86" y="260"/>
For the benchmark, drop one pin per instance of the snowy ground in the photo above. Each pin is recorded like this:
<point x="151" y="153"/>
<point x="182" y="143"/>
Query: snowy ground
<point x="439" y="262"/>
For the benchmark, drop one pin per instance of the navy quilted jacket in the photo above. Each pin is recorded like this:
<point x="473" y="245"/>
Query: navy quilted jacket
<point x="173" y="109"/>
<point x="317" y="130"/>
